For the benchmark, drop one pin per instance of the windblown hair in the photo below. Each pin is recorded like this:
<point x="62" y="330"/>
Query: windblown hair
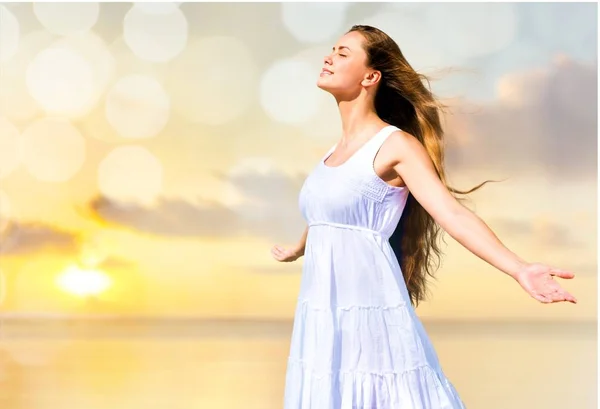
<point x="404" y="101"/>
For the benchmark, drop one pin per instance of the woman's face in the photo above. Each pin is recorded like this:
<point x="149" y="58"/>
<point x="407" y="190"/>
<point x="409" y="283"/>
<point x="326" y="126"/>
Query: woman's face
<point x="345" y="69"/>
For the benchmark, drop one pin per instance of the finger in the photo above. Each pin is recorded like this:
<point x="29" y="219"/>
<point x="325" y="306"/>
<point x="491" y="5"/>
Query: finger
<point x="563" y="295"/>
<point x="570" y="298"/>
<point x="541" y="298"/>
<point x="284" y="252"/>
<point x="562" y="273"/>
<point x="560" y="295"/>
<point x="276" y="253"/>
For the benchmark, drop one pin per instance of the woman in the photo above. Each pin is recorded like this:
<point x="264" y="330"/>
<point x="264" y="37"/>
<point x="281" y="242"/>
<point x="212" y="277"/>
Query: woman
<point x="373" y="206"/>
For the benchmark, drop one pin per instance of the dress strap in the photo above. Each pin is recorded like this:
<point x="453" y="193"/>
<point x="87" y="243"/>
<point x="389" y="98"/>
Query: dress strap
<point x="370" y="148"/>
<point x="375" y="144"/>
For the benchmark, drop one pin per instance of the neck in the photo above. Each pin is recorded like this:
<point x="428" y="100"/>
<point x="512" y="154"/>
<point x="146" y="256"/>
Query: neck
<point x="357" y="116"/>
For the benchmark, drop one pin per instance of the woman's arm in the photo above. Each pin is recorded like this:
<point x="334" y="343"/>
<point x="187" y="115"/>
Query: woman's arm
<point x="416" y="169"/>
<point x="293" y="253"/>
<point x="298" y="249"/>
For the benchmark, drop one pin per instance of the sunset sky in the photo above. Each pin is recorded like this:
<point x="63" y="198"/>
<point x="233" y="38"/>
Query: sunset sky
<point x="159" y="149"/>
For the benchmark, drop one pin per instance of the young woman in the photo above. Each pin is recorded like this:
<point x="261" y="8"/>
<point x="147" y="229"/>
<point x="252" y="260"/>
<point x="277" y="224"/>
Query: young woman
<point x="374" y="205"/>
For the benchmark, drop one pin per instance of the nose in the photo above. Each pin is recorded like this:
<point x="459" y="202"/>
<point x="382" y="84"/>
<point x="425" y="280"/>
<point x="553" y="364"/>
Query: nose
<point x="327" y="60"/>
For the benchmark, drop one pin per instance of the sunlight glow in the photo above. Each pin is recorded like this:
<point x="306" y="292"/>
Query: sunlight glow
<point x="83" y="282"/>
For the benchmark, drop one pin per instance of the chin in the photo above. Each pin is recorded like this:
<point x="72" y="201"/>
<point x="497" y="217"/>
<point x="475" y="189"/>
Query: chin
<point x="324" y="84"/>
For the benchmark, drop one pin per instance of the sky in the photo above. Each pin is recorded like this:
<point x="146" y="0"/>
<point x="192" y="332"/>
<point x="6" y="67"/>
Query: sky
<point x="151" y="154"/>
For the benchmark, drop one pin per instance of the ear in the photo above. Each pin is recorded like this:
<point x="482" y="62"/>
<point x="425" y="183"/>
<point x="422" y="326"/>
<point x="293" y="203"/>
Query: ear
<point x="372" y="78"/>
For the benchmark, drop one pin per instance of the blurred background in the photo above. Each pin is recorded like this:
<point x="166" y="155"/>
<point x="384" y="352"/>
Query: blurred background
<point x="152" y="153"/>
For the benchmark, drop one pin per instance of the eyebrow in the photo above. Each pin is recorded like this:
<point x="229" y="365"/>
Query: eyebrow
<point x="340" y="47"/>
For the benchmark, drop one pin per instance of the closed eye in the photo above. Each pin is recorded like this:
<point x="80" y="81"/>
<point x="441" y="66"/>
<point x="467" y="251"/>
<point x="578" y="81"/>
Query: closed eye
<point x="340" y="48"/>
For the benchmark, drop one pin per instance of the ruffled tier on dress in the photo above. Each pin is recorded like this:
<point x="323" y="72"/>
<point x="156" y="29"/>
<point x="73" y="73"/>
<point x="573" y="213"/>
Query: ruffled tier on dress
<point x="379" y="361"/>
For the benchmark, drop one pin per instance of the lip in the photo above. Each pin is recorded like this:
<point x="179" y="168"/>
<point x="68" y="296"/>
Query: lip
<point x="326" y="71"/>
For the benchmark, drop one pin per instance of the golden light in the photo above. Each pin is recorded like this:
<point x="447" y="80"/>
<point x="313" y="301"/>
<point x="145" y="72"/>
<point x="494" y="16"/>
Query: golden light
<point x="83" y="282"/>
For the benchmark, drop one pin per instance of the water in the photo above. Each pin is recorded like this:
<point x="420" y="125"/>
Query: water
<point x="190" y="363"/>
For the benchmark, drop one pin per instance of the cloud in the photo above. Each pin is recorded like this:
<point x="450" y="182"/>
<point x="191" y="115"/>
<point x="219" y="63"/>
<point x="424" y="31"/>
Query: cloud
<point x="115" y="263"/>
<point x="25" y="238"/>
<point x="170" y="217"/>
<point x="271" y="206"/>
<point x="544" y="121"/>
<point x="270" y="210"/>
<point x="543" y="232"/>
<point x="559" y="239"/>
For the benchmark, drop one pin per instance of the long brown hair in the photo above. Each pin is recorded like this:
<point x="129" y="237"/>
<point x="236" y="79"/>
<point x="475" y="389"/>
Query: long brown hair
<point x="403" y="100"/>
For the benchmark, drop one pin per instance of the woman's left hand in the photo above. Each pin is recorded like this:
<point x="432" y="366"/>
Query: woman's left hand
<point x="538" y="280"/>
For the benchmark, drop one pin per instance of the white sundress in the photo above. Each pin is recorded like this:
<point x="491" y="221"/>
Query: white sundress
<point x="357" y="342"/>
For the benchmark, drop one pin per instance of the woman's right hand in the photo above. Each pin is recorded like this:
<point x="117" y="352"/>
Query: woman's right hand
<point x="285" y="255"/>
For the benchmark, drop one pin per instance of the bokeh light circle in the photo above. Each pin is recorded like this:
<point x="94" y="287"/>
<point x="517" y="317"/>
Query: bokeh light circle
<point x="428" y="36"/>
<point x="156" y="37"/>
<point x="95" y="51"/>
<point x="418" y="42"/>
<point x="67" y="18"/>
<point x="213" y="81"/>
<point x="9" y="34"/>
<point x="60" y="80"/>
<point x="137" y="106"/>
<point x="16" y="103"/>
<point x="53" y="150"/>
<point x="130" y="174"/>
<point x="127" y="63"/>
<point x="496" y="25"/>
<point x="156" y="7"/>
<point x="325" y="125"/>
<point x="577" y="22"/>
<point x="288" y="93"/>
<point x="314" y="22"/>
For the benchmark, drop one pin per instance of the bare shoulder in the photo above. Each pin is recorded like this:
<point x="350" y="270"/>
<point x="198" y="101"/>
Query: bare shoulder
<point x="401" y="143"/>
<point x="400" y="137"/>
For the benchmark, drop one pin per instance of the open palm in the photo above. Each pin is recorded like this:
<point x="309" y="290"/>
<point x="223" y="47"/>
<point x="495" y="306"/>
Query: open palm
<point x="538" y="280"/>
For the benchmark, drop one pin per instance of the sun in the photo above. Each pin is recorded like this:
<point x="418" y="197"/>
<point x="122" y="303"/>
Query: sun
<point x="83" y="282"/>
